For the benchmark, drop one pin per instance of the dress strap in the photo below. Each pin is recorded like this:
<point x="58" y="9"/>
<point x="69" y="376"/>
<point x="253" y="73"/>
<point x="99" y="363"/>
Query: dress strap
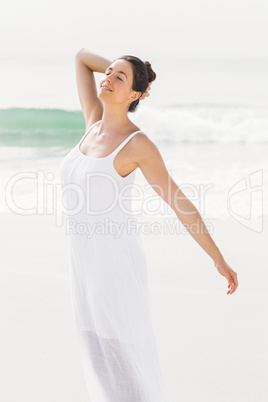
<point x="115" y="152"/>
<point x="86" y="133"/>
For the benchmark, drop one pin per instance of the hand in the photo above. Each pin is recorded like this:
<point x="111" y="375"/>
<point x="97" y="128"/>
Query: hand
<point x="146" y="93"/>
<point x="225" y="270"/>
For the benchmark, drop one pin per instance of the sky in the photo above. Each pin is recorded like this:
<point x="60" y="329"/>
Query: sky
<point x="56" y="29"/>
<point x="213" y="51"/>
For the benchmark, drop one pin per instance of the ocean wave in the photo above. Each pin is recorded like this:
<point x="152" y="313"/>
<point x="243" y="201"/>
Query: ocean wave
<point x="193" y="123"/>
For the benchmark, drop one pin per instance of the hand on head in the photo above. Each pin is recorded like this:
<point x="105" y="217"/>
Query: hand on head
<point x="146" y="93"/>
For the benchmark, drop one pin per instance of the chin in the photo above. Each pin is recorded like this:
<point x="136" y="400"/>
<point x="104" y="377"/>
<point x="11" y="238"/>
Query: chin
<point x="102" y="94"/>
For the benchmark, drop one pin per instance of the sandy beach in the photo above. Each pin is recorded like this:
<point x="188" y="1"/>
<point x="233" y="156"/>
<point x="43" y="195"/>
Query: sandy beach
<point x="212" y="346"/>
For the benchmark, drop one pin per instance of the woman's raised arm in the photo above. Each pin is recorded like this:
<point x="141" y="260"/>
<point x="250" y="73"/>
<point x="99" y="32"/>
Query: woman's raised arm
<point x="86" y="63"/>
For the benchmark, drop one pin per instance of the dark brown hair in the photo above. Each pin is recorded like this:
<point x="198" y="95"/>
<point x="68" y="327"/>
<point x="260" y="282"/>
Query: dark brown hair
<point x="143" y="74"/>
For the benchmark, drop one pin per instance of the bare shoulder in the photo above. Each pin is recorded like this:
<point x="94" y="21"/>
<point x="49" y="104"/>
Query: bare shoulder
<point x="148" y="158"/>
<point x="145" y="149"/>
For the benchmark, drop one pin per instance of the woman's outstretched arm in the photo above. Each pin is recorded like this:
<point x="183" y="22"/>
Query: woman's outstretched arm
<point x="151" y="163"/>
<point x="86" y="62"/>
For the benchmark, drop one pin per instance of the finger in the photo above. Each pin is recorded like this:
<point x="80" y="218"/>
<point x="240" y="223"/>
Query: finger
<point x="232" y="288"/>
<point x="230" y="285"/>
<point x="234" y="280"/>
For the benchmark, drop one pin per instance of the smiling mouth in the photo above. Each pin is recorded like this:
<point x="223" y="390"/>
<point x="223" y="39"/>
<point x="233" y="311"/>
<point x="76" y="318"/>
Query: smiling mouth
<point x="103" y="87"/>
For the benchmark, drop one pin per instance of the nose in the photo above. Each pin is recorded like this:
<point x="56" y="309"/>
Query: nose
<point x="109" y="77"/>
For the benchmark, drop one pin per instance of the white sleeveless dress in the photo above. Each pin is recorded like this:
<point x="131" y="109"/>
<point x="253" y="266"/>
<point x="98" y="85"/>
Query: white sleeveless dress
<point x="108" y="280"/>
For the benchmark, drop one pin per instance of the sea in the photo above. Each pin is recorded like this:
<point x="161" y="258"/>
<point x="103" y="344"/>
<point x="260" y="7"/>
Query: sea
<point x="208" y="118"/>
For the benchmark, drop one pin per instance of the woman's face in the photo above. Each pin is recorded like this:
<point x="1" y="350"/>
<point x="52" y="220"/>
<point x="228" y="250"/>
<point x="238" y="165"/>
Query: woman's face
<point x="116" y="87"/>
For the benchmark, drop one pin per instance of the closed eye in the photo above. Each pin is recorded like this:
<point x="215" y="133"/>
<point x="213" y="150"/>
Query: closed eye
<point x="116" y="77"/>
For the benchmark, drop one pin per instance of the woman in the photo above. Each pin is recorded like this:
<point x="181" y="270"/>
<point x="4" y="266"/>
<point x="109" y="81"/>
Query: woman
<point x="109" y="285"/>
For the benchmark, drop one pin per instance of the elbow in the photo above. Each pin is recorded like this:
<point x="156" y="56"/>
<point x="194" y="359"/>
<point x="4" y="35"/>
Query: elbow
<point x="185" y="210"/>
<point x="78" y="53"/>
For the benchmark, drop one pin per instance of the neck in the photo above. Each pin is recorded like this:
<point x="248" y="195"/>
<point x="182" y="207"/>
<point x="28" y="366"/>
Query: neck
<point x="114" y="119"/>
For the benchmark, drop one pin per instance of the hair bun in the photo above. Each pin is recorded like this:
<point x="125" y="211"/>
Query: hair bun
<point x="151" y="73"/>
